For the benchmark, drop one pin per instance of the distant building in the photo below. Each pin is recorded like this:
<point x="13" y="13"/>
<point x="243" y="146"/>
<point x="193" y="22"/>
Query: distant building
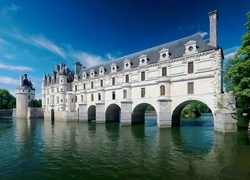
<point x="25" y="92"/>
<point x="168" y="77"/>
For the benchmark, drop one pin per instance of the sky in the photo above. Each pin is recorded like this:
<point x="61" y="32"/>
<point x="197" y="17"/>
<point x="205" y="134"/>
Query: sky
<point x="35" y="35"/>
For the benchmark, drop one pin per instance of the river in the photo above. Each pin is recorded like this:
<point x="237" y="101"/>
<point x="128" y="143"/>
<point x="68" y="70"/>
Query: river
<point x="37" y="149"/>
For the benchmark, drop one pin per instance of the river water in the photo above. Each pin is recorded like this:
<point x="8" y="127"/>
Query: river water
<point x="37" y="149"/>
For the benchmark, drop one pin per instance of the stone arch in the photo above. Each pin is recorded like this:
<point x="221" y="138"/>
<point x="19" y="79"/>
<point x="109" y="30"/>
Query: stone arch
<point x="138" y="113"/>
<point x="176" y="113"/>
<point x="92" y="113"/>
<point x="113" y="113"/>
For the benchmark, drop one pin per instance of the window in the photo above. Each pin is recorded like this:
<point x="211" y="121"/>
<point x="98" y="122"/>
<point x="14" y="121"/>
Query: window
<point x="72" y="100"/>
<point x="164" y="71"/>
<point x="143" y="76"/>
<point x="61" y="100"/>
<point x="28" y="97"/>
<point x="124" y="94"/>
<point x="92" y="85"/>
<point x="84" y="86"/>
<point x="75" y="98"/>
<point x="142" y="92"/>
<point x="113" y="94"/>
<point x="191" y="88"/>
<point x="82" y="98"/>
<point x="92" y="97"/>
<point x="57" y="100"/>
<point x="190" y="67"/>
<point x="113" y="81"/>
<point x="162" y="90"/>
<point x="99" y="96"/>
<point x="75" y="87"/>
<point x="127" y="78"/>
<point x="61" y="89"/>
<point x="101" y="83"/>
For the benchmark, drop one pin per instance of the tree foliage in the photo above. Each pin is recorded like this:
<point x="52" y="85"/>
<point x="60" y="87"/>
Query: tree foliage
<point x="35" y="103"/>
<point x="195" y="109"/>
<point x="7" y="101"/>
<point x="237" y="77"/>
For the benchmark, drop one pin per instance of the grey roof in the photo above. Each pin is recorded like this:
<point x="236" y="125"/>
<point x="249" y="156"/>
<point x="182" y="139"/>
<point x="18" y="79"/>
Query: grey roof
<point x="176" y="49"/>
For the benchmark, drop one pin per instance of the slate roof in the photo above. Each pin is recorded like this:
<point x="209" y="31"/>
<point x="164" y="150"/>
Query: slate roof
<point x="176" y="49"/>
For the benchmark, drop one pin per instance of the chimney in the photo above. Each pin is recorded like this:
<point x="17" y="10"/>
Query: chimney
<point x="78" y="67"/>
<point x="21" y="81"/>
<point x="213" y="18"/>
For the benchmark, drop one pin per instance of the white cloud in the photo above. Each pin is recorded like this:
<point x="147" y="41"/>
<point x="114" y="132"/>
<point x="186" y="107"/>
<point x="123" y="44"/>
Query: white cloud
<point x="8" y="11"/>
<point x="45" y="43"/>
<point x="8" y="80"/>
<point x="110" y="56"/>
<point x="230" y="52"/>
<point x="87" y="59"/>
<point x="14" y="68"/>
<point x="203" y="34"/>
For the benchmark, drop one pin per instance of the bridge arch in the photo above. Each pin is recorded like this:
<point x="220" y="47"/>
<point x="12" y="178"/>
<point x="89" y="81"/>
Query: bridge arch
<point x="92" y="113"/>
<point x="176" y="113"/>
<point x="138" y="113"/>
<point x="113" y="113"/>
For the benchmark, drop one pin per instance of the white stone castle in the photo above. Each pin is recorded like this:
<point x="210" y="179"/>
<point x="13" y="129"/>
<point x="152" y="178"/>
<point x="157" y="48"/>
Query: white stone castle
<point x="167" y="77"/>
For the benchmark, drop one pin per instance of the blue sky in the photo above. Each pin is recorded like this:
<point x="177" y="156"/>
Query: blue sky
<point x="37" y="35"/>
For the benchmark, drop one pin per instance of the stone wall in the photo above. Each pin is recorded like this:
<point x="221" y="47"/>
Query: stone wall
<point x="5" y="112"/>
<point x="35" y="113"/>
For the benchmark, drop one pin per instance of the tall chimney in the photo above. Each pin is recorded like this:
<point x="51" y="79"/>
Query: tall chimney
<point x="213" y="18"/>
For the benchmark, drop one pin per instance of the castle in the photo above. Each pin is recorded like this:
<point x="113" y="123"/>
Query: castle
<point x="167" y="77"/>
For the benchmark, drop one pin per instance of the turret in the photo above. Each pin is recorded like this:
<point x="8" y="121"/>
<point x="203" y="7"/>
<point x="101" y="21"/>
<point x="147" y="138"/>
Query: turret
<point x="213" y="18"/>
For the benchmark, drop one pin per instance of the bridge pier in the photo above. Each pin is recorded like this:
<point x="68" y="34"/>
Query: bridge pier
<point x="224" y="121"/>
<point x="83" y="116"/>
<point x="126" y="112"/>
<point x="164" y="114"/>
<point x="100" y="112"/>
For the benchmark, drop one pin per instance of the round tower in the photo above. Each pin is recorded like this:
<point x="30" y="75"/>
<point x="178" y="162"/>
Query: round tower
<point x="24" y="94"/>
<point x="62" y="85"/>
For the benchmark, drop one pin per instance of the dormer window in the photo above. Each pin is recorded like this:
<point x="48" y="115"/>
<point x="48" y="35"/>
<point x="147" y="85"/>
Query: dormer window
<point x="75" y="77"/>
<point x="92" y="73"/>
<point x="84" y="75"/>
<point x="127" y="64"/>
<point x="143" y="60"/>
<point x="113" y="68"/>
<point x="101" y="71"/>
<point x="191" y="47"/>
<point x="164" y="54"/>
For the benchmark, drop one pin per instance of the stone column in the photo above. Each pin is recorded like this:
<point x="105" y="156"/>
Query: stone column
<point x="100" y="112"/>
<point x="83" y="114"/>
<point x="126" y="112"/>
<point x="164" y="113"/>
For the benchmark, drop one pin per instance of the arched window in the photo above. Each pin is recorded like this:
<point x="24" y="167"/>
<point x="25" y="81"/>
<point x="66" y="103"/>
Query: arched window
<point x="162" y="90"/>
<point x="82" y="98"/>
<point x="124" y="94"/>
<point x="99" y="96"/>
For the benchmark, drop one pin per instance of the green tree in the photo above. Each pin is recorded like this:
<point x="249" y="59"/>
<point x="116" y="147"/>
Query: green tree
<point x="7" y="101"/>
<point x="237" y="75"/>
<point x="35" y="103"/>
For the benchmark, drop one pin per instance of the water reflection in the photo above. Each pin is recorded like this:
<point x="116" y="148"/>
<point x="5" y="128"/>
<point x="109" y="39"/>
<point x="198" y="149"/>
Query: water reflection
<point x="89" y="150"/>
